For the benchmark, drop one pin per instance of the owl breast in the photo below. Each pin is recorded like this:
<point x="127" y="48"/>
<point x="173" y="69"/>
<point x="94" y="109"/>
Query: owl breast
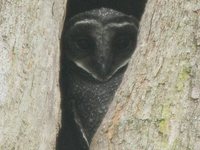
<point x="91" y="100"/>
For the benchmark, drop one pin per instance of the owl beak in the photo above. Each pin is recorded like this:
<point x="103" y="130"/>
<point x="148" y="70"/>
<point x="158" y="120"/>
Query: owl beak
<point x="103" y="70"/>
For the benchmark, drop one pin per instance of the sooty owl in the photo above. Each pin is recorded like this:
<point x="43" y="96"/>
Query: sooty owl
<point x="97" y="46"/>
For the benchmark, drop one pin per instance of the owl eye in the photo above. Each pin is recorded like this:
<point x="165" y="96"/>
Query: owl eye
<point x="122" y="42"/>
<point x="85" y="43"/>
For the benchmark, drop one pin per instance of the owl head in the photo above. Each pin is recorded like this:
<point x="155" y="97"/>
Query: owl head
<point x="100" y="42"/>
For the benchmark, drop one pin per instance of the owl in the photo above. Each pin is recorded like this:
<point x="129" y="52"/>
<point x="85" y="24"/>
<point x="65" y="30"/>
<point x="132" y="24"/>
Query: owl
<point x="96" y="48"/>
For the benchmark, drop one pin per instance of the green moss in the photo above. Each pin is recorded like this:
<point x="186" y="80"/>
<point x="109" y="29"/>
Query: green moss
<point x="166" y="110"/>
<point x="164" y="143"/>
<point x="164" y="130"/>
<point x="163" y="126"/>
<point x="182" y="77"/>
<point x="175" y="144"/>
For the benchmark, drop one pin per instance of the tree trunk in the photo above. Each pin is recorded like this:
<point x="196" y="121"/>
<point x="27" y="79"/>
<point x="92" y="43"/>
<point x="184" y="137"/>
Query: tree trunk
<point x="29" y="72"/>
<point x="157" y="105"/>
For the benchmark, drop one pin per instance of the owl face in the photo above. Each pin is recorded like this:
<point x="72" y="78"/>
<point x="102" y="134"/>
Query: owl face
<point x="100" y="42"/>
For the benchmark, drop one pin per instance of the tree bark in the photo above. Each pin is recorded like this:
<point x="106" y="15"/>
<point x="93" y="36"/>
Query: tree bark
<point x="29" y="72"/>
<point x="157" y="105"/>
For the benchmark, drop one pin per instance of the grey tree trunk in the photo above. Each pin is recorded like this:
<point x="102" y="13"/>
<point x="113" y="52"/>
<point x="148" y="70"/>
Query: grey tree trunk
<point x="157" y="106"/>
<point x="29" y="72"/>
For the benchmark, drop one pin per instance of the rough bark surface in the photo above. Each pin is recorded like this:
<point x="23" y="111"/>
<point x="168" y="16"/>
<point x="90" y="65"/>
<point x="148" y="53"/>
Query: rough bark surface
<point x="29" y="71"/>
<point x="157" y="106"/>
